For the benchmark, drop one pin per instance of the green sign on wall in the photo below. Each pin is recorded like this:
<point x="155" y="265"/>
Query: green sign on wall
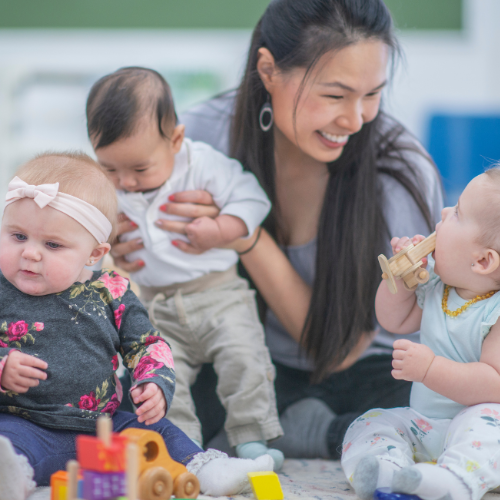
<point x="217" y="14"/>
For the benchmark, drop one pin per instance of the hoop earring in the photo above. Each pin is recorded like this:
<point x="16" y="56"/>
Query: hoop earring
<point x="266" y="109"/>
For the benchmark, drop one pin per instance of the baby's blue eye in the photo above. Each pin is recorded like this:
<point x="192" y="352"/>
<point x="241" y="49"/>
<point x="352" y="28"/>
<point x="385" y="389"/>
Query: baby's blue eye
<point x="52" y="245"/>
<point x="20" y="237"/>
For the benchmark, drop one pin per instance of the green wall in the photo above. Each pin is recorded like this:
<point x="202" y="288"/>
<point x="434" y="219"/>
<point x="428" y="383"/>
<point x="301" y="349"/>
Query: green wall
<point x="409" y="14"/>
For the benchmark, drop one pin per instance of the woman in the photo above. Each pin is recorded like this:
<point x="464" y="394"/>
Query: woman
<point x="343" y="178"/>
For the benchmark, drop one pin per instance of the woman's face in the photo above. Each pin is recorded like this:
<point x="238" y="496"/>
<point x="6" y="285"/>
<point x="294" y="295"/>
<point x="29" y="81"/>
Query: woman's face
<point x="342" y="93"/>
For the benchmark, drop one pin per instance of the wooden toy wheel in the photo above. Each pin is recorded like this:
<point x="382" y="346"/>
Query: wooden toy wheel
<point x="422" y="276"/>
<point x="186" y="485"/>
<point x="387" y="273"/>
<point x="155" y="484"/>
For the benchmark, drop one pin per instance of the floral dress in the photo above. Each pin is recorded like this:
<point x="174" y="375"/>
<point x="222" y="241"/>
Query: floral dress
<point x="79" y="333"/>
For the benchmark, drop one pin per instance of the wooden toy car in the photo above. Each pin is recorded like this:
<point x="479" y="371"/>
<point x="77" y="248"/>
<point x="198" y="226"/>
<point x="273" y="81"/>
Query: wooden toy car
<point x="159" y="475"/>
<point x="406" y="265"/>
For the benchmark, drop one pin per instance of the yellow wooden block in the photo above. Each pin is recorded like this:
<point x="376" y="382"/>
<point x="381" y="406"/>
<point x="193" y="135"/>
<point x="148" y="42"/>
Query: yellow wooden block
<point x="63" y="492"/>
<point x="266" y="485"/>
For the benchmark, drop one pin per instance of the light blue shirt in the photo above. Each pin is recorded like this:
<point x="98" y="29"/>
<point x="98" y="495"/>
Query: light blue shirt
<point x="458" y="338"/>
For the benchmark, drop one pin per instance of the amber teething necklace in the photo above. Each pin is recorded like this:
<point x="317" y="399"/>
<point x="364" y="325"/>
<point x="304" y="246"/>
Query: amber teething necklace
<point x="460" y="310"/>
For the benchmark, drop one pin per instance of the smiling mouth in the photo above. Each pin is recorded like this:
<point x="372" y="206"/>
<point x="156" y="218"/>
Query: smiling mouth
<point x="336" y="139"/>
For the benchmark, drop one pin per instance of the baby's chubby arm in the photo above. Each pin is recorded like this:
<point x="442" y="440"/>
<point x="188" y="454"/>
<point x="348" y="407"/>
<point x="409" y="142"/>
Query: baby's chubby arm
<point x="466" y="383"/>
<point x="205" y="233"/>
<point x="399" y="313"/>
<point x="22" y="371"/>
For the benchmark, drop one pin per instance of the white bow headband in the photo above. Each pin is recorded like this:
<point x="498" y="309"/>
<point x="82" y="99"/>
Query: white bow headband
<point x="91" y="218"/>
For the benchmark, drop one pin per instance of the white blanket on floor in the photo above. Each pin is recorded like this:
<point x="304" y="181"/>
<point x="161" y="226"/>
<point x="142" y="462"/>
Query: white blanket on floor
<point x="300" y="480"/>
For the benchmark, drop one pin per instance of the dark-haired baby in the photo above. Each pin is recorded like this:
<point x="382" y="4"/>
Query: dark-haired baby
<point x="197" y="300"/>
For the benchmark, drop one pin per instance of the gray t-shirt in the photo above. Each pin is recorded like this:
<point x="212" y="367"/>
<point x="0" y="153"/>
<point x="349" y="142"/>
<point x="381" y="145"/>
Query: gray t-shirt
<point x="210" y="122"/>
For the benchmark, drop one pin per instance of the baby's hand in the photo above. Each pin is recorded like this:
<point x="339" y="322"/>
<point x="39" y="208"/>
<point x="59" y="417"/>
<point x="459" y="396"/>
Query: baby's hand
<point x="154" y="405"/>
<point x="204" y="233"/>
<point x="411" y="361"/>
<point x="398" y="244"/>
<point x="21" y="372"/>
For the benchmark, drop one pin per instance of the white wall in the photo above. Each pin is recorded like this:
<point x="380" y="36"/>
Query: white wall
<point x="45" y="75"/>
<point x="450" y="72"/>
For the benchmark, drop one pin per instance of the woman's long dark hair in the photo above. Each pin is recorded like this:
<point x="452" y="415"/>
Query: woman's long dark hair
<point x="352" y="229"/>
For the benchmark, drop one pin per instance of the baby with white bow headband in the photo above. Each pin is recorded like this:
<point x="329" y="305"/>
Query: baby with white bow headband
<point x="62" y="327"/>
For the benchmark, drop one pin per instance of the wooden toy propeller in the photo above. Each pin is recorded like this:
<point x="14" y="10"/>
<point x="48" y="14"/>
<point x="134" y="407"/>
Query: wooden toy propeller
<point x="406" y="265"/>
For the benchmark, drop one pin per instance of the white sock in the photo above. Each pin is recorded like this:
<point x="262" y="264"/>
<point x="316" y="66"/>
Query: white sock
<point x="220" y="475"/>
<point x="16" y="474"/>
<point x="430" y="482"/>
<point x="386" y="472"/>
<point x="255" y="449"/>
<point x="371" y="473"/>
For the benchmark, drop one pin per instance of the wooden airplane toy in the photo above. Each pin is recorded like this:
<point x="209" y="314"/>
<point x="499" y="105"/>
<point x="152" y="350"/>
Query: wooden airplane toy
<point x="406" y="265"/>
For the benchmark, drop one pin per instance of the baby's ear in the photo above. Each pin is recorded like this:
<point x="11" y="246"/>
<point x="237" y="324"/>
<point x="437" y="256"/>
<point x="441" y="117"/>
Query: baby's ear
<point x="178" y="137"/>
<point x="98" y="253"/>
<point x="487" y="262"/>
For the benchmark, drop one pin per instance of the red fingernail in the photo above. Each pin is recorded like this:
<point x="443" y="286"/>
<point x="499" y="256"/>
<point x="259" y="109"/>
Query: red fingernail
<point x="171" y="197"/>
<point x="175" y="243"/>
<point x="133" y="224"/>
<point x="141" y="263"/>
<point x="163" y="208"/>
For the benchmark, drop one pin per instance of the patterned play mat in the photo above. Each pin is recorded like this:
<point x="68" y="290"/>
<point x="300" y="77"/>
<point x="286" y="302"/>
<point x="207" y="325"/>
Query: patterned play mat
<point x="300" y="479"/>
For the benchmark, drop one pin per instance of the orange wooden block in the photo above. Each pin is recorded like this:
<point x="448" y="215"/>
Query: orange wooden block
<point x="59" y="485"/>
<point x="92" y="454"/>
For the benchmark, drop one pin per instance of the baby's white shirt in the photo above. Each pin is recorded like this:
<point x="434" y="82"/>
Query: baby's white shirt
<point x="197" y="166"/>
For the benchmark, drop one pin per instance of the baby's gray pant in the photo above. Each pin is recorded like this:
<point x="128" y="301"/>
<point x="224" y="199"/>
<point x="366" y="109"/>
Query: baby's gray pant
<point x="214" y="320"/>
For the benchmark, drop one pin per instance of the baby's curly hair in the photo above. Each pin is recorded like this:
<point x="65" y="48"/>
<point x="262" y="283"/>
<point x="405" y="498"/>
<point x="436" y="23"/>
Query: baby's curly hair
<point x="78" y="175"/>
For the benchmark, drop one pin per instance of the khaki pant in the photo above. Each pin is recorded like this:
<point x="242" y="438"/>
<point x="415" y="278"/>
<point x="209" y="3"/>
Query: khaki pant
<point x="214" y="320"/>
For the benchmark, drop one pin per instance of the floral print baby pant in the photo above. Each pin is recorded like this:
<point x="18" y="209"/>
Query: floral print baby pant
<point x="467" y="445"/>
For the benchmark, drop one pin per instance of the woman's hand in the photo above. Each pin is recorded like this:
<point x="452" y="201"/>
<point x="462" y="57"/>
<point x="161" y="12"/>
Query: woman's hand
<point x="119" y="250"/>
<point x="191" y="204"/>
